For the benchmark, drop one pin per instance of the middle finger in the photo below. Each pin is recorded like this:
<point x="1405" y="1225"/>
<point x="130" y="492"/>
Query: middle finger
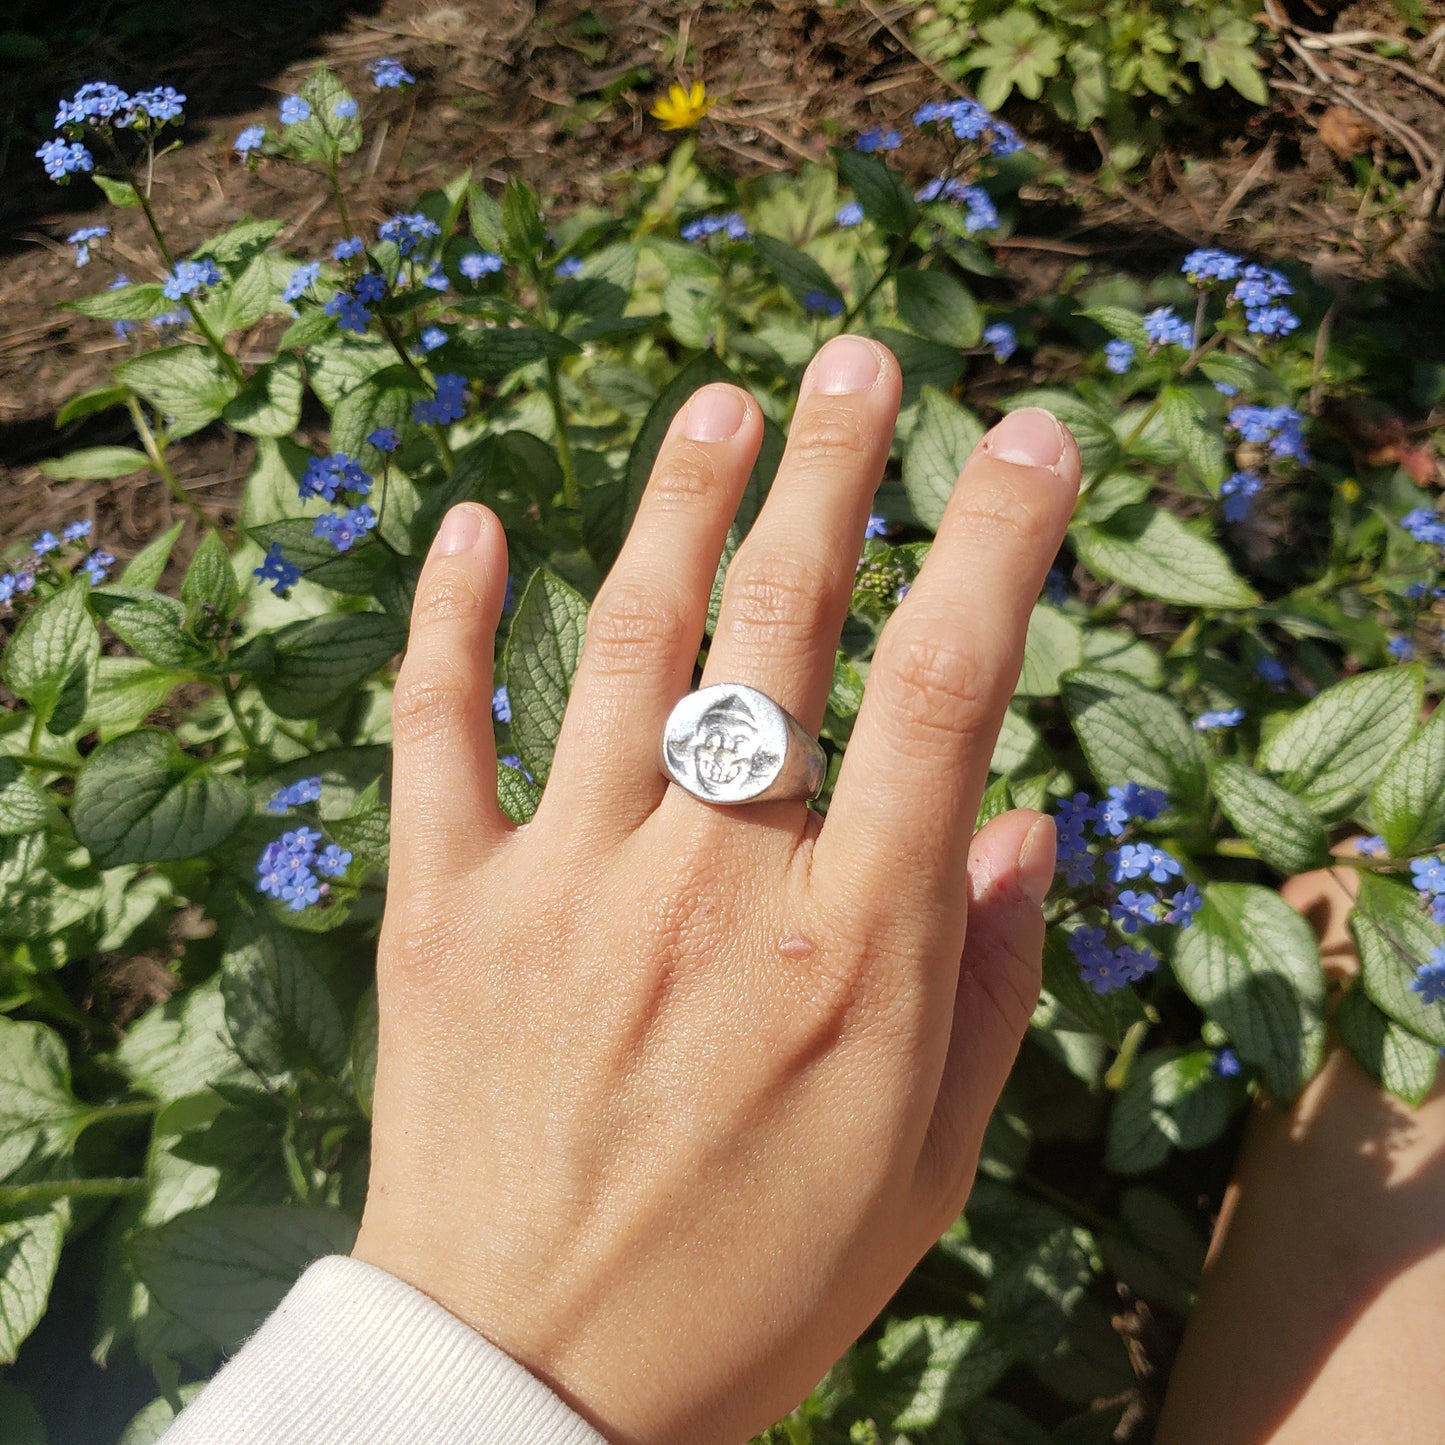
<point x="788" y="587"/>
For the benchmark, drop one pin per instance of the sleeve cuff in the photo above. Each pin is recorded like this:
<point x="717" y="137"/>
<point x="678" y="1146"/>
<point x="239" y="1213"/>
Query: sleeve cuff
<point x="353" y="1356"/>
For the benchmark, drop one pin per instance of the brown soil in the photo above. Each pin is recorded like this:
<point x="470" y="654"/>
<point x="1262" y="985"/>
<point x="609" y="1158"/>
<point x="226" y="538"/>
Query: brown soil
<point x="558" y="90"/>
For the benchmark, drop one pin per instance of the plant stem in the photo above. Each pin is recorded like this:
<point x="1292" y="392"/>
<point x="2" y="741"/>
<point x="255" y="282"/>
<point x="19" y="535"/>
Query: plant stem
<point x="17" y="1195"/>
<point x="104" y="1113"/>
<point x="242" y="726"/>
<point x="564" y="444"/>
<point x="1119" y="1070"/>
<point x="162" y="467"/>
<point x="900" y="249"/>
<point x="202" y="325"/>
<point x="1150" y="412"/>
<point x="36" y="760"/>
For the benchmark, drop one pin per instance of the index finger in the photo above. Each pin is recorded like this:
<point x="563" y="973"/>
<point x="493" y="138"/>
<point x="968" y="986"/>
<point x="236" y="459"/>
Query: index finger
<point x="945" y="667"/>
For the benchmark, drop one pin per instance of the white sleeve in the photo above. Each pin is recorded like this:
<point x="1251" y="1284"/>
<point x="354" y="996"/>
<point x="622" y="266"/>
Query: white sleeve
<point x="352" y="1356"/>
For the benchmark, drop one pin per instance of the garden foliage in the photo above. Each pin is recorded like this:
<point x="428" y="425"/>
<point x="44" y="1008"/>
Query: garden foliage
<point x="1218" y="687"/>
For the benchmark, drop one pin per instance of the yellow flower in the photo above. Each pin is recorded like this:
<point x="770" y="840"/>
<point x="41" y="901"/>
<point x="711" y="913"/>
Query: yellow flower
<point x="1350" y="489"/>
<point x="681" y="109"/>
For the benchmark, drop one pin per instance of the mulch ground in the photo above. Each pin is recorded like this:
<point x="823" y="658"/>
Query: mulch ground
<point x="558" y="92"/>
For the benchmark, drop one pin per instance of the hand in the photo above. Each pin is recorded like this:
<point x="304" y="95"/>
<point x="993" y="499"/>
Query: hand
<point x="670" y="1097"/>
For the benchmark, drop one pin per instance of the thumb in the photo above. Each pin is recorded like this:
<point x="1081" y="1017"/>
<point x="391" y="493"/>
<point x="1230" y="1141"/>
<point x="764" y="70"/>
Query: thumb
<point x="1010" y="869"/>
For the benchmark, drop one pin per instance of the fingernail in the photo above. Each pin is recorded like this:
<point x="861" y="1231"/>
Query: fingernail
<point x="1036" y="860"/>
<point x="1030" y="437"/>
<point x="714" y="414"/>
<point x="459" y="532"/>
<point x="846" y="363"/>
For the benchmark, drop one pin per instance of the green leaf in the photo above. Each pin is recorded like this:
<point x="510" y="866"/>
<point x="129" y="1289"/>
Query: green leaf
<point x="517" y="793"/>
<point x="1172" y="1099"/>
<point x="363" y="1050"/>
<point x="1331" y="751"/>
<point x="124" y="693"/>
<point x="148" y="1426"/>
<point x="153" y="625"/>
<point x="885" y="199"/>
<point x="188" y="385"/>
<point x="1132" y="734"/>
<point x="797" y="272"/>
<point x="1253" y="965"/>
<point x="23" y="807"/>
<point x="1156" y="1249"/>
<point x="1288" y="836"/>
<point x="87" y="403"/>
<point x="20" y="1422"/>
<point x="1119" y="650"/>
<point x="500" y="350"/>
<point x="52" y="654"/>
<point x="941" y="441"/>
<point x="323" y="135"/>
<point x="540" y="661"/>
<point x="181" y="1045"/>
<point x="95" y="464"/>
<point x="246" y="239"/>
<point x="118" y="193"/>
<point x="223" y="1269"/>
<point x="270" y="403"/>
<point x="210" y="579"/>
<point x="1407" y="802"/>
<point x="321" y="660"/>
<point x="1194" y="431"/>
<point x="38" y="1113"/>
<point x="1152" y="551"/>
<point x="148" y="566"/>
<point x="140" y="799"/>
<point x="1388" y="1052"/>
<point x="30" y="1241"/>
<point x="1121" y="322"/>
<point x="138" y="301"/>
<point x="1054" y="646"/>
<point x="523" y="233"/>
<point x="279" y="1010"/>
<point x="1396" y="936"/>
<point x="939" y="307"/>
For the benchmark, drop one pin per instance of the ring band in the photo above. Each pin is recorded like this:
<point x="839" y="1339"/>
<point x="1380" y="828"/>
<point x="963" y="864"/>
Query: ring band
<point x="733" y="744"/>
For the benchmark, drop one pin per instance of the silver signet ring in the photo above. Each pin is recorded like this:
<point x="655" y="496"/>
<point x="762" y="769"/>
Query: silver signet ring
<point x="733" y="744"/>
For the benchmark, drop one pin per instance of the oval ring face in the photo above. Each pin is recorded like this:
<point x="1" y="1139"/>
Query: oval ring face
<point x="726" y="743"/>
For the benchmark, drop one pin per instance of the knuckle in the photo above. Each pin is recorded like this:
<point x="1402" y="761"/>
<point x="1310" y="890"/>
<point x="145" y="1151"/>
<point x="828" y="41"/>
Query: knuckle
<point x="428" y="699"/>
<point x="685" y="476"/>
<point x="778" y="597"/>
<point x="937" y="685"/>
<point x="828" y="431"/>
<point x="998" y="515"/>
<point x="449" y="597"/>
<point x="630" y="627"/>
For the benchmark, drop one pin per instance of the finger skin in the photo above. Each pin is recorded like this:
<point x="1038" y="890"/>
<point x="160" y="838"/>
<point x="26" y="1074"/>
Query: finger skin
<point x="444" y="768"/>
<point x="789" y="586"/>
<point x="943" y="672"/>
<point x="1010" y="868"/>
<point x="646" y="625"/>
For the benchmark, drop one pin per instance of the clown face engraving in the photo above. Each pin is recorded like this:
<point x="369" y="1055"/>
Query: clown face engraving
<point x="726" y="745"/>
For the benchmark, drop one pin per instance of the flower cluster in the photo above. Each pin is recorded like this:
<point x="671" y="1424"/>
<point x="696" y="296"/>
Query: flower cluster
<point x="1280" y="428"/>
<point x="288" y="867"/>
<point x="44" y="552"/>
<point x="1105" y="963"/>
<point x="81" y="240"/>
<point x="190" y="277"/>
<point x="275" y="569"/>
<point x="1239" y="491"/>
<point x="1208" y="722"/>
<point x="294" y="109"/>
<point x="409" y="232"/>
<point x="294" y="795"/>
<point x="339" y="478"/>
<point x="878" y="139"/>
<point x="106" y="108"/>
<point x="476" y="264"/>
<point x="1002" y="338"/>
<point x="969" y="121"/>
<point x="730" y="224"/>
<point x="390" y="74"/>
<point x="979" y="211"/>
<point x="1429" y="980"/>
<point x="1428" y="876"/>
<point x="448" y="405"/>
<point x="1119" y="355"/>
<point x="501" y="704"/>
<point x="350" y="304"/>
<point x="1257" y="289"/>
<point x="301" y="280"/>
<point x="1426" y="525"/>
<point x="850" y="213"/>
<point x="1165" y="327"/>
